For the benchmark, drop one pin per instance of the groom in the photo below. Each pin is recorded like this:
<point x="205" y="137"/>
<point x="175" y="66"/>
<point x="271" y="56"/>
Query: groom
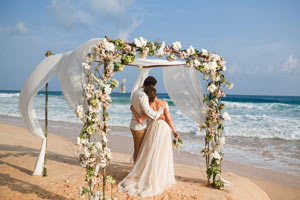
<point x="140" y="102"/>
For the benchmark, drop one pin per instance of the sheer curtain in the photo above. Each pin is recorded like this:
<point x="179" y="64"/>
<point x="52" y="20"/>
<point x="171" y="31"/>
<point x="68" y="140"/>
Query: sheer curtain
<point x="35" y="82"/>
<point x="184" y="88"/>
<point x="145" y="71"/>
<point x="68" y="67"/>
<point x="140" y="79"/>
<point x="71" y="76"/>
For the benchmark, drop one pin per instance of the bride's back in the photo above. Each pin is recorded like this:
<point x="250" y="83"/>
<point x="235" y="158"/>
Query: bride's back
<point x="157" y="104"/>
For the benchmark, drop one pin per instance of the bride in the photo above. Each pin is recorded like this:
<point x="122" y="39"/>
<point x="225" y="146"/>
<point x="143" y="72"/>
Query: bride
<point x="154" y="168"/>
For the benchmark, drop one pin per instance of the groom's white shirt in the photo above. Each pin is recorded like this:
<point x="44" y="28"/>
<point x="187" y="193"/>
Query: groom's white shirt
<point x="140" y="102"/>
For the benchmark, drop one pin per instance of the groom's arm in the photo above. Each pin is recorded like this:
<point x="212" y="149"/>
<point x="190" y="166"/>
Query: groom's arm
<point x="144" y="102"/>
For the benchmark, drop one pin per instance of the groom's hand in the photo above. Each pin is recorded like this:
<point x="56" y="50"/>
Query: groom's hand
<point x="131" y="108"/>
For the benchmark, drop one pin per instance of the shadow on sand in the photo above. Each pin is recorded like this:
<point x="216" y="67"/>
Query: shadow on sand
<point x="117" y="169"/>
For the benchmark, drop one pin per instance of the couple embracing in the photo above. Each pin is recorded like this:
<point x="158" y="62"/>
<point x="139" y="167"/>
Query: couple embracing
<point x="151" y="127"/>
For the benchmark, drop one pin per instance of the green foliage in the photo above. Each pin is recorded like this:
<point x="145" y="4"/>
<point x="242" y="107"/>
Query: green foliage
<point x="223" y="79"/>
<point x="152" y="48"/>
<point x="127" y="58"/>
<point x="114" y="83"/>
<point x="90" y="173"/>
<point x="217" y="184"/>
<point x="84" y="190"/>
<point x="119" y="44"/>
<point x="110" y="179"/>
<point x="94" y="102"/>
<point x="118" y="67"/>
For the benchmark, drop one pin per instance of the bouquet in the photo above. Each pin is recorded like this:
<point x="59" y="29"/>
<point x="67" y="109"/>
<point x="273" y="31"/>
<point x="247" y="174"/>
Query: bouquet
<point x="177" y="142"/>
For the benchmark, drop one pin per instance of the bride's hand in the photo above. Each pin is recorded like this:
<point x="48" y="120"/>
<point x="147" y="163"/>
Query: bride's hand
<point x="176" y="135"/>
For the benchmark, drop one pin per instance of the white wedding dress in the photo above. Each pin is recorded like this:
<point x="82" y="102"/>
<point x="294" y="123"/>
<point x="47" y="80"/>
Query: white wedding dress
<point x="153" y="171"/>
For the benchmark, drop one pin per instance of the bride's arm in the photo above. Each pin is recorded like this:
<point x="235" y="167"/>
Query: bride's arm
<point x="139" y="118"/>
<point x="169" y="119"/>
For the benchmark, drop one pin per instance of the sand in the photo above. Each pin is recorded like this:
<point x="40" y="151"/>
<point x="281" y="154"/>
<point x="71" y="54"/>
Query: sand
<point x="19" y="150"/>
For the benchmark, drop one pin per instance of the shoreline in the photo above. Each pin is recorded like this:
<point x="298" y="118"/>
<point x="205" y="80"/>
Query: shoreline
<point x="63" y="128"/>
<point x="290" y="187"/>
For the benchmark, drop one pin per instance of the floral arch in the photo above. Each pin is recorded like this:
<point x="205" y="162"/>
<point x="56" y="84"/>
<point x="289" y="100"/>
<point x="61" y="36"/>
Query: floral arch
<point x="109" y="56"/>
<point x="86" y="80"/>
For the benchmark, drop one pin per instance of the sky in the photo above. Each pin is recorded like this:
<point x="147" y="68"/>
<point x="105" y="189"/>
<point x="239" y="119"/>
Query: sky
<point x="259" y="39"/>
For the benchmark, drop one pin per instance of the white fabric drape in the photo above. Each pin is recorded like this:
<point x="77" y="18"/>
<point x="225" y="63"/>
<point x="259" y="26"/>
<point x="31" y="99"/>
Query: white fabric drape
<point x="71" y="76"/>
<point x="145" y="71"/>
<point x="68" y="67"/>
<point x="140" y="79"/>
<point x="184" y="88"/>
<point x="37" y="79"/>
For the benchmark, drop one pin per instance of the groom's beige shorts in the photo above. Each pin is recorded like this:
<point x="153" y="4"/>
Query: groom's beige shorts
<point x="138" y="136"/>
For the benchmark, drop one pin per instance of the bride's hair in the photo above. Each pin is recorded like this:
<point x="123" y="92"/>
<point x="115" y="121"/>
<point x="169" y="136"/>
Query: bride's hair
<point x="151" y="93"/>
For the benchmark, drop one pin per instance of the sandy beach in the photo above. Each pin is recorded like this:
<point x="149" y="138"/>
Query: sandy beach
<point x="19" y="150"/>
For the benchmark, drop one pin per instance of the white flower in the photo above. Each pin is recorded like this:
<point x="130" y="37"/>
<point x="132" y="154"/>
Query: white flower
<point x="86" y="66"/>
<point x="80" y="112"/>
<point x="206" y="67"/>
<point x="196" y="63"/>
<point x="93" y="109"/>
<point x="212" y="66"/>
<point x="226" y="116"/>
<point x="104" y="138"/>
<point x="107" y="89"/>
<point x="98" y="145"/>
<point x="98" y="195"/>
<point x="212" y="87"/>
<point x="190" y="51"/>
<point x="204" y="52"/>
<point x="171" y="57"/>
<point x="222" y="63"/>
<point x="176" y="45"/>
<point x="80" y="191"/>
<point x="78" y="141"/>
<point x="224" y="68"/>
<point x="222" y="141"/>
<point x="215" y="57"/>
<point x="141" y="42"/>
<point x="108" y="45"/>
<point x="204" y="109"/>
<point x="216" y="155"/>
<point x="161" y="51"/>
<point x="218" y="78"/>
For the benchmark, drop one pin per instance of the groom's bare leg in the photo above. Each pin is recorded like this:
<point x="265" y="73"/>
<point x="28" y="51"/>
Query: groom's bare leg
<point x="138" y="136"/>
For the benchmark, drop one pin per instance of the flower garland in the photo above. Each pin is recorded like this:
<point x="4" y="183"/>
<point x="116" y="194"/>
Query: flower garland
<point x="109" y="56"/>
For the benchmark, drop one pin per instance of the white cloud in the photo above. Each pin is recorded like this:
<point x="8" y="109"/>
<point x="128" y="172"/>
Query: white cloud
<point x="67" y="15"/>
<point x="111" y="16"/>
<point x="110" y="8"/>
<point x="233" y="68"/>
<point x="124" y="33"/>
<point x="19" y="28"/>
<point x="291" y="64"/>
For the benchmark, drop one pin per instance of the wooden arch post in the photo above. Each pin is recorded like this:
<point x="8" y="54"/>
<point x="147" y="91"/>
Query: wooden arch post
<point x="48" y="53"/>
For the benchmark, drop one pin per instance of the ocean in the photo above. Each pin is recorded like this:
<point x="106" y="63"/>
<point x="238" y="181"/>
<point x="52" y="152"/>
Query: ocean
<point x="264" y="130"/>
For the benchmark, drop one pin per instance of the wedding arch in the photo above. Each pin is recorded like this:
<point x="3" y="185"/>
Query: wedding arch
<point x="86" y="80"/>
